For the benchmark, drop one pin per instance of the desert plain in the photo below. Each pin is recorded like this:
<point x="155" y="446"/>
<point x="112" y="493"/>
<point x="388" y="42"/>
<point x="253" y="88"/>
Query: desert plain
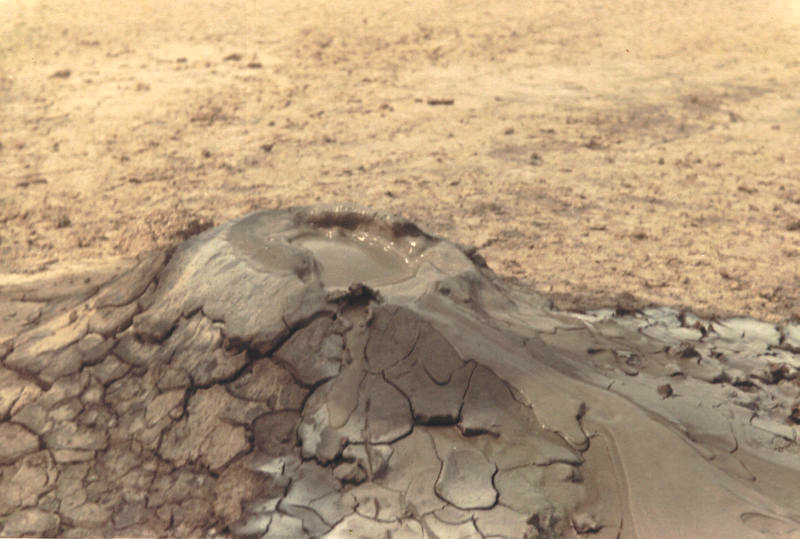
<point x="594" y="150"/>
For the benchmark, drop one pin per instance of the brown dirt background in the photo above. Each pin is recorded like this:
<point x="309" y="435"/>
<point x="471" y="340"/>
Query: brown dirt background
<point x="598" y="150"/>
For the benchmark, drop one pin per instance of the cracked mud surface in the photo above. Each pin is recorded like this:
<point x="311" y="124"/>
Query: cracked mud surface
<point x="244" y="384"/>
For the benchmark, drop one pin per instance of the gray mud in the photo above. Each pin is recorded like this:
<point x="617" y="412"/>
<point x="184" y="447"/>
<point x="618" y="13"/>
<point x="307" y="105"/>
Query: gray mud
<point x="337" y="372"/>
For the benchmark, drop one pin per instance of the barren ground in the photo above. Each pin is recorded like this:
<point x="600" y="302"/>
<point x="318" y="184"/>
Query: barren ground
<point x="596" y="150"/>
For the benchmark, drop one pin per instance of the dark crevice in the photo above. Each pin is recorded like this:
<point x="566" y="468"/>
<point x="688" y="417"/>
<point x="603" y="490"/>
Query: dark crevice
<point x="745" y="385"/>
<point x="395" y="363"/>
<point x="149" y="338"/>
<point x="382" y="374"/>
<point x="310" y="392"/>
<point x="307" y="508"/>
<point x="11" y="347"/>
<point x="494" y="486"/>
<point x="228" y="379"/>
<point x="449" y="523"/>
<point x="439" y="421"/>
<point x="428" y="532"/>
<point x="464" y="395"/>
<point x="201" y="311"/>
<point x="187" y="396"/>
<point x="305" y="322"/>
<point x="30" y="377"/>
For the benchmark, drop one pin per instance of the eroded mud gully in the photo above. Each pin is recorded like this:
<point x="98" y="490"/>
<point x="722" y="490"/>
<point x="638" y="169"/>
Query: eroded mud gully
<point x="332" y="371"/>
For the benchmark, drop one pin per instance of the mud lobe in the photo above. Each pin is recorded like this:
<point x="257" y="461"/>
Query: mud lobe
<point x="328" y="371"/>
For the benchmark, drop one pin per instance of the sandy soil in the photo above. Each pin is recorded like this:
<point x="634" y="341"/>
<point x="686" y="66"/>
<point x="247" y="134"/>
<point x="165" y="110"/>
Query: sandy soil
<point x="601" y="151"/>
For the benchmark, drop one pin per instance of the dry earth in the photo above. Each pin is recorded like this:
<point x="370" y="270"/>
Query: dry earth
<point x="598" y="150"/>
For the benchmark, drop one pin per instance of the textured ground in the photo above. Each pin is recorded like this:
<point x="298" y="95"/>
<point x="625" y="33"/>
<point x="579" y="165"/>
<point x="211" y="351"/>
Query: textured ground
<point x="341" y="373"/>
<point x="591" y="148"/>
<point x="606" y="154"/>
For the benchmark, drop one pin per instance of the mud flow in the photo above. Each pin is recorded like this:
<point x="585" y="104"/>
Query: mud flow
<point x="334" y="371"/>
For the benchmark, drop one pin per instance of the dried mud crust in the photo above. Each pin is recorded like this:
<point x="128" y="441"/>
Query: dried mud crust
<point x="227" y="387"/>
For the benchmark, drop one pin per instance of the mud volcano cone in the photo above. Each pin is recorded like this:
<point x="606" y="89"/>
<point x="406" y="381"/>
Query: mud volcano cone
<point x="338" y="372"/>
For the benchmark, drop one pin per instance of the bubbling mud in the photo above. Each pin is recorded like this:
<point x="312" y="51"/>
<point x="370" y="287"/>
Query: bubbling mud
<point x="333" y="371"/>
<point x="345" y="260"/>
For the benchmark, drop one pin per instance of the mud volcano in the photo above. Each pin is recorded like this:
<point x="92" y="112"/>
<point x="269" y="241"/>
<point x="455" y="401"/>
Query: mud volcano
<point x="337" y="372"/>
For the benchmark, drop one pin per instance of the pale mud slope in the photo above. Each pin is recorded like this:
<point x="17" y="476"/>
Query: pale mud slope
<point x="338" y="372"/>
<point x="593" y="148"/>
